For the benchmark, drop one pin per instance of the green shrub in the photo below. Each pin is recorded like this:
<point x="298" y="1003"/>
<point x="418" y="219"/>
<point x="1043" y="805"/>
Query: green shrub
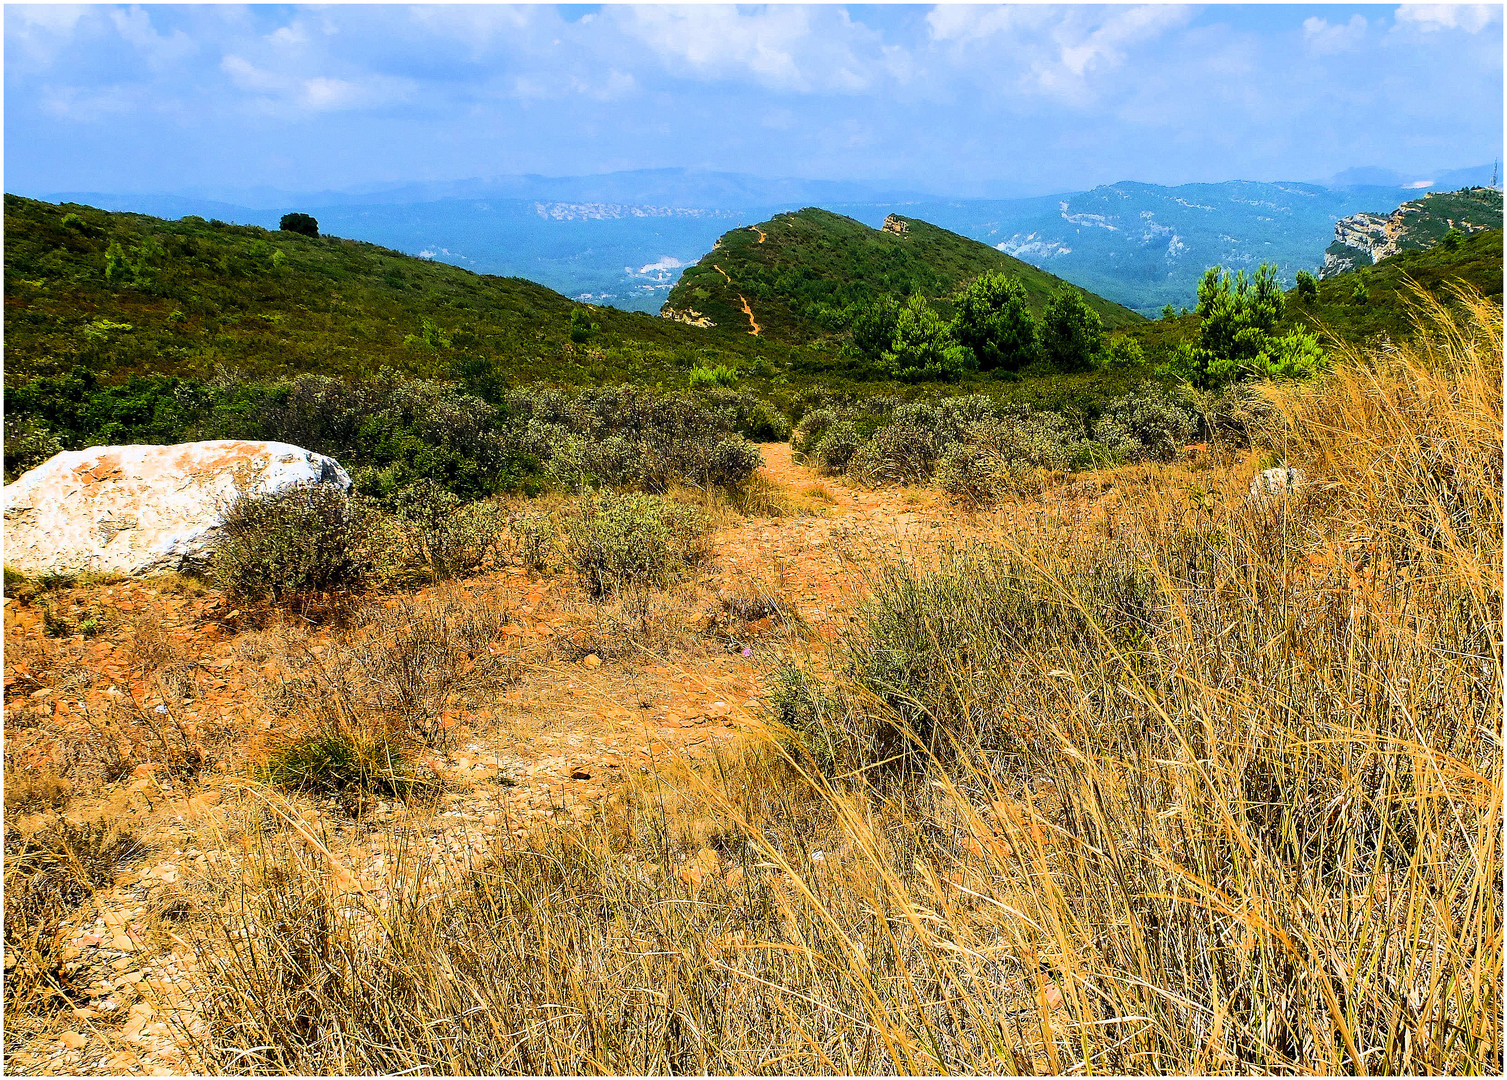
<point x="289" y="547"/>
<point x="839" y="441"/>
<point x="970" y="475"/>
<point x="335" y="762"/>
<point x="28" y="443"/>
<point x="536" y="541"/>
<point x="450" y="538"/>
<point x="721" y="375"/>
<point x="617" y="541"/>
<point x="1145" y="426"/>
<point x="927" y="648"/>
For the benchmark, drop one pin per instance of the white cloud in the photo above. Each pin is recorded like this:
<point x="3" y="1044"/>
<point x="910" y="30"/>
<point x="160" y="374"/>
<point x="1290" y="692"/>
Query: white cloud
<point x="1471" y="18"/>
<point x="1051" y="51"/>
<point x="318" y="93"/>
<point x="42" y="31"/>
<point x="801" y="49"/>
<point x="135" y="26"/>
<point x="1324" y="39"/>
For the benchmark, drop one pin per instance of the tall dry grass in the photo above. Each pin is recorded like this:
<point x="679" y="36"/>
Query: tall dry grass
<point x="1222" y="795"/>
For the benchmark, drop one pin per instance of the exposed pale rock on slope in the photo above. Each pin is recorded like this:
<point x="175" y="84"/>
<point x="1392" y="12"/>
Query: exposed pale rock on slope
<point x="139" y="510"/>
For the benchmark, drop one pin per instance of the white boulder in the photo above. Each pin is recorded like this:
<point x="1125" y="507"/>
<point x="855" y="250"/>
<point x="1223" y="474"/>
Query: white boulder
<point x="138" y="510"/>
<point x="1271" y="484"/>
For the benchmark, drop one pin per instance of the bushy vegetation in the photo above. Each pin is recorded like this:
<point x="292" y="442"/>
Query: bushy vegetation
<point x="293" y="546"/>
<point x="393" y="431"/>
<point x="1237" y="339"/>
<point x="1327" y="309"/>
<point x="615" y="542"/>
<point x="976" y="448"/>
<point x="992" y="331"/>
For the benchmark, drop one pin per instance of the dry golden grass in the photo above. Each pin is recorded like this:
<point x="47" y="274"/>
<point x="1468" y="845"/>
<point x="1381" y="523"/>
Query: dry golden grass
<point x="1221" y="794"/>
<point x="1215" y="790"/>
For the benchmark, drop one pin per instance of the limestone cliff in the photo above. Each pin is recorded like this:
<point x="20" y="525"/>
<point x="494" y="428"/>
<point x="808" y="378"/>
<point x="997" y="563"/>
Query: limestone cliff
<point x="1365" y="239"/>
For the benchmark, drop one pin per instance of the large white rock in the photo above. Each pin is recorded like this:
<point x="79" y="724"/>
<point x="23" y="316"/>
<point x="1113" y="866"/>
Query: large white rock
<point x="138" y="510"/>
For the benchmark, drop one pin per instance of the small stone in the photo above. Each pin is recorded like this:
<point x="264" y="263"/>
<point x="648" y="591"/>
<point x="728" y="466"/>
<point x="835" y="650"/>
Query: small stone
<point x="73" y="1040"/>
<point x="592" y="660"/>
<point x="579" y="774"/>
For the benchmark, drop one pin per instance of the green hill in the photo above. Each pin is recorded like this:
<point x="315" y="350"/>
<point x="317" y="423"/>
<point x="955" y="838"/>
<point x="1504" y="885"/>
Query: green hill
<point x="797" y="275"/>
<point x="128" y="294"/>
<point x="1383" y="309"/>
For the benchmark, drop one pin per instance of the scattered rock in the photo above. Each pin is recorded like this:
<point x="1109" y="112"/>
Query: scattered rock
<point x="592" y="660"/>
<point x="73" y="1040"/>
<point x="139" y="510"/>
<point x="1275" y="483"/>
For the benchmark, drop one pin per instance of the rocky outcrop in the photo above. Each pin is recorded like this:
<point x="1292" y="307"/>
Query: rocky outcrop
<point x="1362" y="240"/>
<point x="137" y="510"/>
<point x="1366" y="239"/>
<point x="896" y="224"/>
<point x="1274" y="485"/>
<point x="689" y="316"/>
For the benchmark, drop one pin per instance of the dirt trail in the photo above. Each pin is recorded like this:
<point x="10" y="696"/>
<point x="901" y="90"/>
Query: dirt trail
<point x="752" y="323"/>
<point x="760" y="231"/>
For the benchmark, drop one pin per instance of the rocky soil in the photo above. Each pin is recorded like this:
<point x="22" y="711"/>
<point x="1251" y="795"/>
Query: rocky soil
<point x="542" y="705"/>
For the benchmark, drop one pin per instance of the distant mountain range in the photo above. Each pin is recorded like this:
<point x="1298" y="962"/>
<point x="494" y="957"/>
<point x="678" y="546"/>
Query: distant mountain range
<point x="623" y="239"/>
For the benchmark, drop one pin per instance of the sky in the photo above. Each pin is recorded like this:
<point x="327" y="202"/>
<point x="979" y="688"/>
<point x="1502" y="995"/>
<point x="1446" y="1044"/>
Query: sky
<point x="951" y="100"/>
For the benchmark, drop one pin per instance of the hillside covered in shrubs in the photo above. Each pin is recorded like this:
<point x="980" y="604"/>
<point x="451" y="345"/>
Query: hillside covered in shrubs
<point x="808" y="274"/>
<point x="129" y="294"/>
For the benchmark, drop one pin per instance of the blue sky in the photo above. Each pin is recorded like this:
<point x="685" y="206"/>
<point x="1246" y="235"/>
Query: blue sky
<point x="966" y="100"/>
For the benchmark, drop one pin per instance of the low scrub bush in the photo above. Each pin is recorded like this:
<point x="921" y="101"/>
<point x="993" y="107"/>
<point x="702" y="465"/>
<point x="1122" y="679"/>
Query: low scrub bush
<point x="987" y="448"/>
<point x="617" y="541"/>
<point x="1145" y="426"/>
<point x="624" y="437"/>
<point x="335" y="762"/>
<point x="450" y="539"/>
<point x="291" y="547"/>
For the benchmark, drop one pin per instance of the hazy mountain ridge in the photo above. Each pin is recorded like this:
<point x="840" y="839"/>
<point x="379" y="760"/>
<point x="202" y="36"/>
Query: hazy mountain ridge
<point x="608" y="239"/>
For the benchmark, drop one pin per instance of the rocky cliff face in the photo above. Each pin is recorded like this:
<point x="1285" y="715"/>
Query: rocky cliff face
<point x="1366" y="239"/>
<point x="1362" y="240"/>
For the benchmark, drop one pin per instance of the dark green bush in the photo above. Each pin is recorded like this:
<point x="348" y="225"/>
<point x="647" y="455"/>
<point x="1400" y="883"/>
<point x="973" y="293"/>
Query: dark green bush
<point x="304" y="224"/>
